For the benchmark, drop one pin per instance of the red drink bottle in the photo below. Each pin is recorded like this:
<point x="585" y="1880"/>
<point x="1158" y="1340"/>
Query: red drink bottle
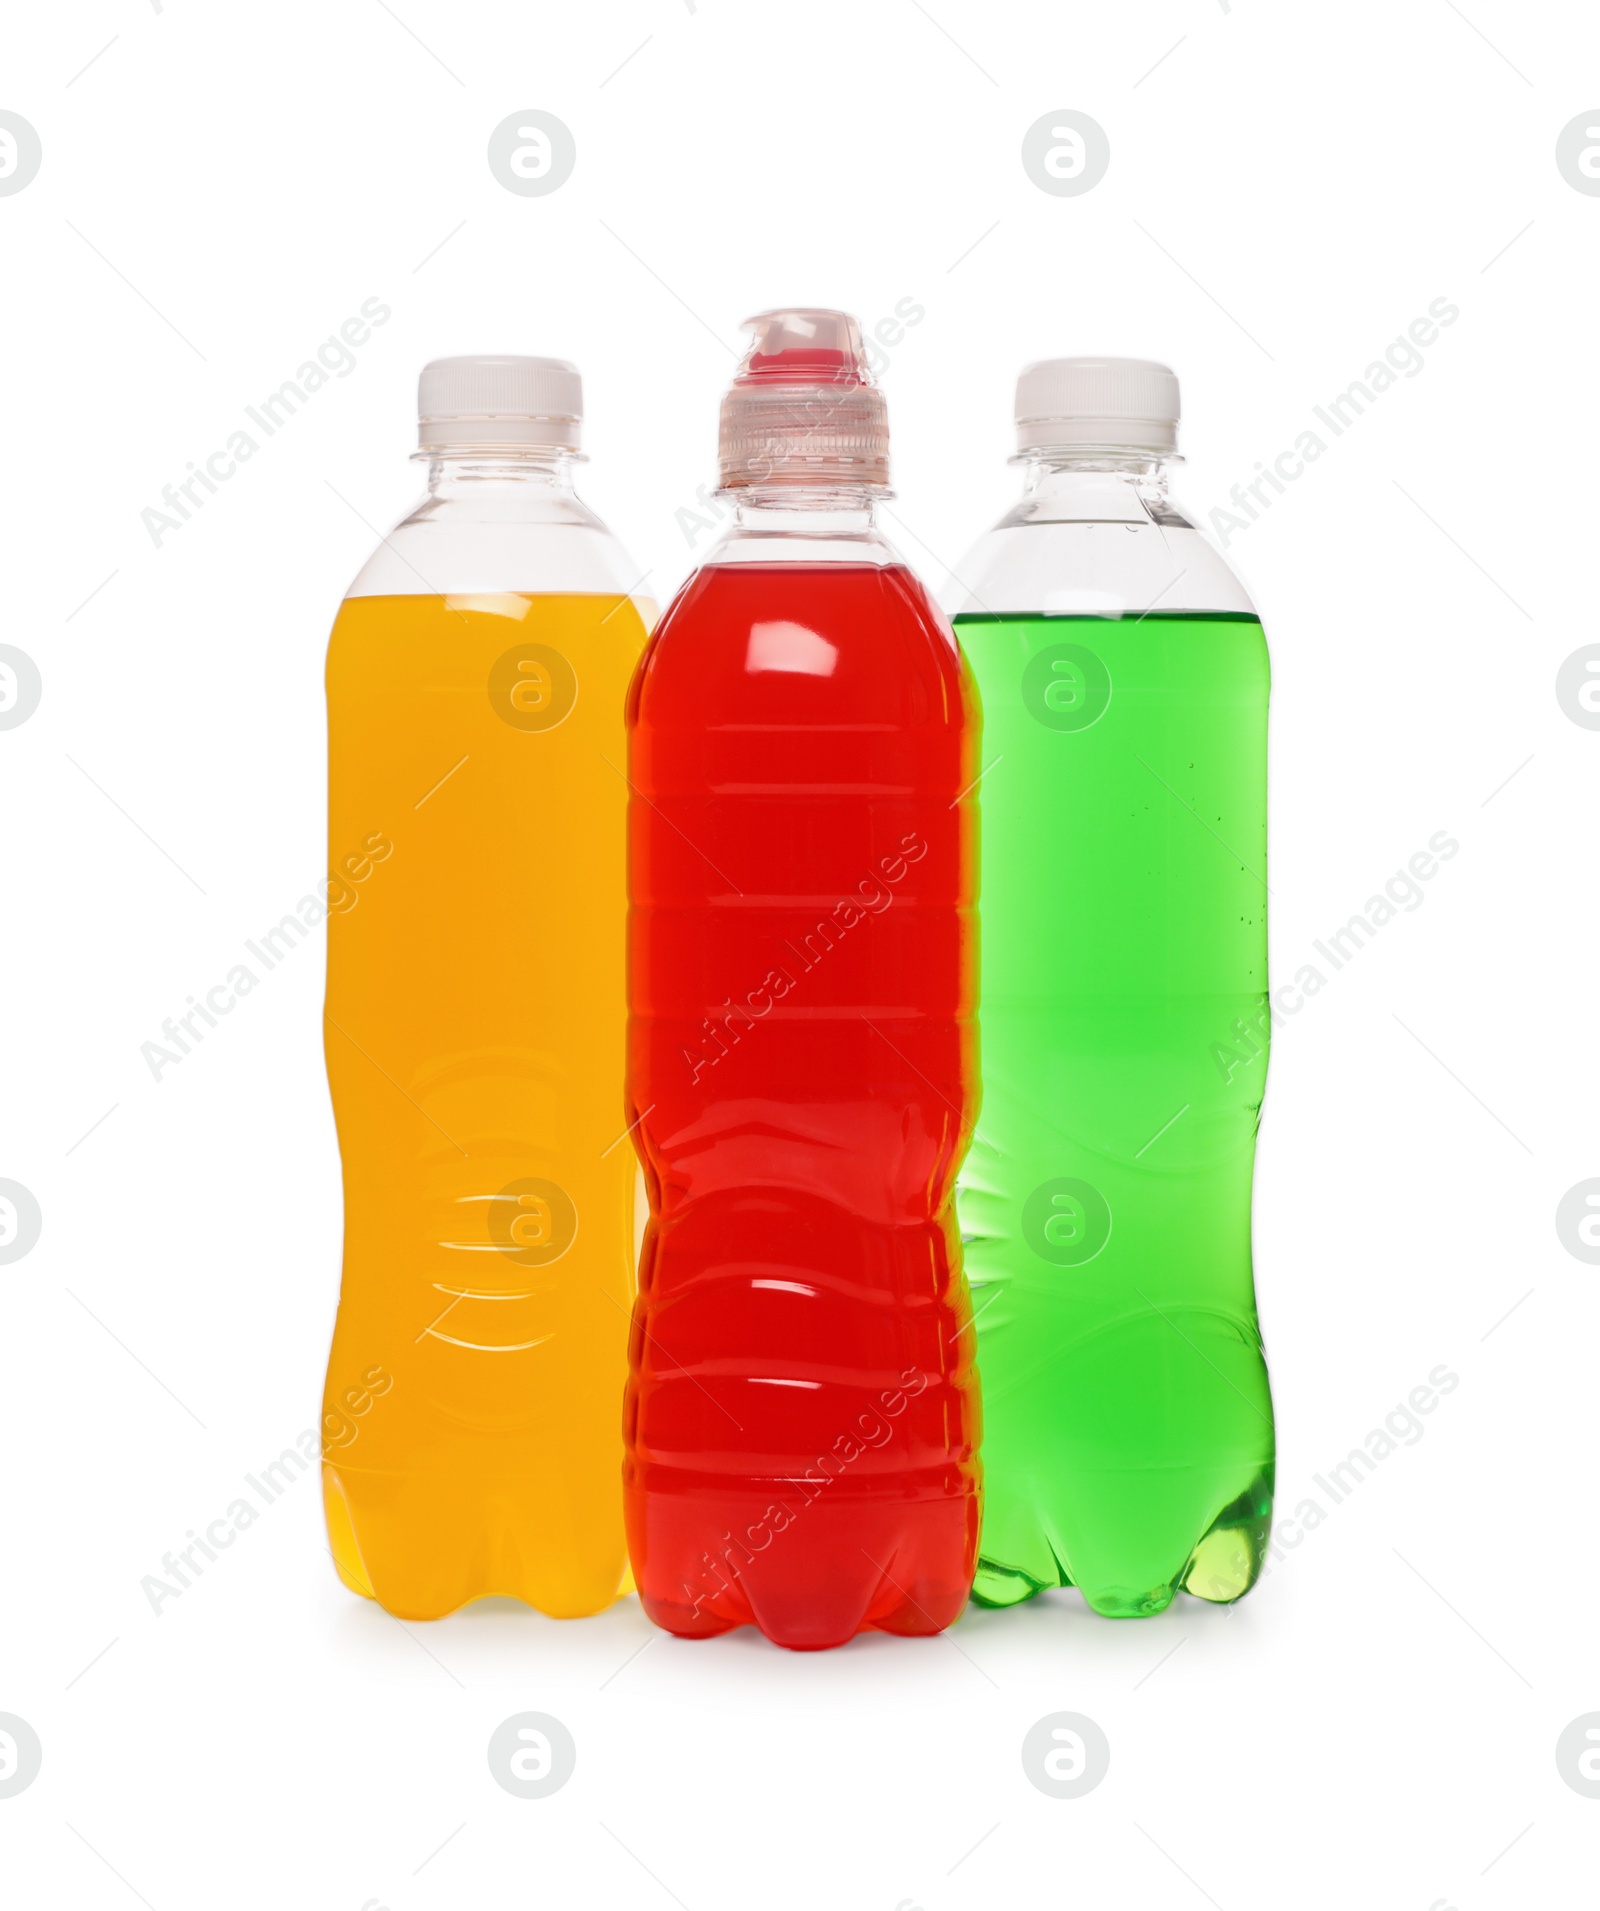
<point x="802" y="1408"/>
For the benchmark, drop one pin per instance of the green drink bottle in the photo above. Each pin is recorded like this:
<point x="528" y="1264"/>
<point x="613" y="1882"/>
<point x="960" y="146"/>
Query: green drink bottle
<point x="1123" y="1017"/>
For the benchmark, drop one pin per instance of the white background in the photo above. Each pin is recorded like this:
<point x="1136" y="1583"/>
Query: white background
<point x="1288" y="189"/>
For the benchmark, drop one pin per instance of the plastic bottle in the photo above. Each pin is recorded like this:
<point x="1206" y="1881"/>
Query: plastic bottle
<point x="801" y="1410"/>
<point x="1105" y="1204"/>
<point x="475" y="1023"/>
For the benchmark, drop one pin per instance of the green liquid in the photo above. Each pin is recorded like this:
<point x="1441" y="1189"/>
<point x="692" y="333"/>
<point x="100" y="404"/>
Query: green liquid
<point x="1123" y="1027"/>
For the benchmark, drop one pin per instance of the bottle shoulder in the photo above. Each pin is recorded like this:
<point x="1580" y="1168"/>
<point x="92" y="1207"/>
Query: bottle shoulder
<point x="1094" y="544"/>
<point x="1094" y="569"/>
<point x="492" y="545"/>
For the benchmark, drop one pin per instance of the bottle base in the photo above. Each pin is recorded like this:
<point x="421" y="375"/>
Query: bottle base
<point x="422" y="1547"/>
<point x="810" y="1582"/>
<point x="1220" y="1568"/>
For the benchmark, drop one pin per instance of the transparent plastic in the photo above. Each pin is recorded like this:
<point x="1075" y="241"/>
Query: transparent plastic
<point x="489" y="524"/>
<point x="801" y="1417"/>
<point x="1105" y="1202"/>
<point x="476" y="678"/>
<point x="1094" y="536"/>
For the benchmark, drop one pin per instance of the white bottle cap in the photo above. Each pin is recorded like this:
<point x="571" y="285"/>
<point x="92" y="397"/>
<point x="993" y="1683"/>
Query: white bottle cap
<point x="802" y="408"/>
<point x="495" y="404"/>
<point x="1100" y="403"/>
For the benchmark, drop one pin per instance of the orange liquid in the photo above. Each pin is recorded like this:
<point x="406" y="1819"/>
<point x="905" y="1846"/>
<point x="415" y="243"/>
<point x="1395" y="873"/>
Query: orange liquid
<point x="475" y="1022"/>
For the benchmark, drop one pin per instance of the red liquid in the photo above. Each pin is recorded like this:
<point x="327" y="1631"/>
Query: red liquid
<point x="802" y="1409"/>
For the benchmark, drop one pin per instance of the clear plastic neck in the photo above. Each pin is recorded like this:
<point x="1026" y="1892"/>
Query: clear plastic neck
<point x="1095" y="482"/>
<point x="822" y="510"/>
<point x="803" y="524"/>
<point x="453" y="474"/>
<point x="1129" y="461"/>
